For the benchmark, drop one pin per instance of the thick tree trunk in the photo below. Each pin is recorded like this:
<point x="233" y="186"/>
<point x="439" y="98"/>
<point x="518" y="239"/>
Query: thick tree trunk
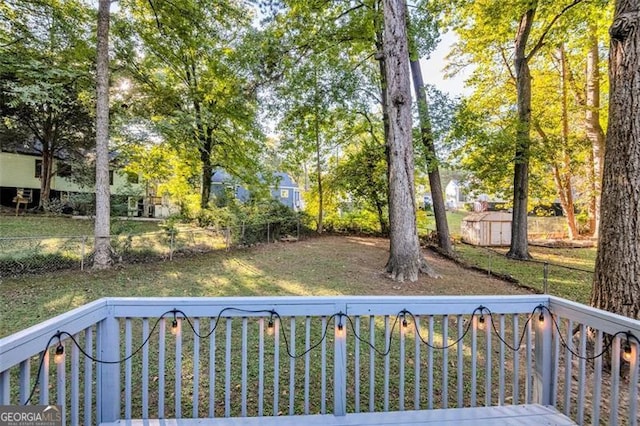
<point x="519" y="248"/>
<point x="593" y="128"/>
<point x="616" y="286"/>
<point x="102" y="258"/>
<point x="426" y="133"/>
<point x="45" y="175"/>
<point x="405" y="260"/>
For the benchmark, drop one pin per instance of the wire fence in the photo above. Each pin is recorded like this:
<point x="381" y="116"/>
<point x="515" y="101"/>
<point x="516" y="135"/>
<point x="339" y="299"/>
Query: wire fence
<point x="34" y="255"/>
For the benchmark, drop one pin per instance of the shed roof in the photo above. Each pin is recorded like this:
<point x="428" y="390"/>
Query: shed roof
<point x="488" y="217"/>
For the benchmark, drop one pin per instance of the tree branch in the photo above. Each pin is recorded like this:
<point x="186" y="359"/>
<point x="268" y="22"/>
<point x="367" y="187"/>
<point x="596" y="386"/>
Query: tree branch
<point x="540" y="42"/>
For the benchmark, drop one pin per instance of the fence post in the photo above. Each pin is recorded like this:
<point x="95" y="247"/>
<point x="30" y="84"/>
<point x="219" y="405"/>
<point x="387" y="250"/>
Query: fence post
<point x="268" y="236"/>
<point x="171" y="244"/>
<point x="340" y="362"/>
<point x="545" y="278"/>
<point x="227" y="235"/>
<point x="543" y="373"/>
<point x="109" y="374"/>
<point x="82" y="252"/>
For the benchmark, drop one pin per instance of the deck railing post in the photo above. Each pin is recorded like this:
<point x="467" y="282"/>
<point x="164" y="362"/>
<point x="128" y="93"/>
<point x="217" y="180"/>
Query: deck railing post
<point x="109" y="374"/>
<point x="340" y="362"/>
<point x="543" y="368"/>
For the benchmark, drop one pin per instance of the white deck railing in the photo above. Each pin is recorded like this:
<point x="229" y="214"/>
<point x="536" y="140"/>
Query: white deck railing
<point x="323" y="355"/>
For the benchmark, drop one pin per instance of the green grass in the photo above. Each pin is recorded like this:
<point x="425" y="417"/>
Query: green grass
<point x="60" y="226"/>
<point x="573" y="284"/>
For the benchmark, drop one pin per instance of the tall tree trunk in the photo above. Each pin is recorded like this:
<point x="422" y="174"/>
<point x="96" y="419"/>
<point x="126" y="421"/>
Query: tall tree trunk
<point x="316" y="129"/>
<point x="593" y="127"/>
<point x="519" y="248"/>
<point x="207" y="170"/>
<point x="565" y="188"/>
<point x="405" y="260"/>
<point x="426" y="135"/>
<point x="45" y="175"/>
<point x="616" y="286"/>
<point x="102" y="258"/>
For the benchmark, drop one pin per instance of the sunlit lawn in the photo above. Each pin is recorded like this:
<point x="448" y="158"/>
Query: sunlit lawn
<point x="32" y="225"/>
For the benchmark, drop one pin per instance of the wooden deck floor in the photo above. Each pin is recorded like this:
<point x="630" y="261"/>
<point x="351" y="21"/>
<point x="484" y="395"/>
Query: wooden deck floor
<point x="480" y="416"/>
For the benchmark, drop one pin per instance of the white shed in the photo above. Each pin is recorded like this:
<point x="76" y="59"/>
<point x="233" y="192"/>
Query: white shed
<point x="487" y="229"/>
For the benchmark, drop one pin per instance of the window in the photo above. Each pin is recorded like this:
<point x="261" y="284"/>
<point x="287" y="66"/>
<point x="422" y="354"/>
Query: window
<point x="110" y="177"/>
<point x="132" y="177"/>
<point x="38" y="168"/>
<point x="64" y="170"/>
<point x="284" y="193"/>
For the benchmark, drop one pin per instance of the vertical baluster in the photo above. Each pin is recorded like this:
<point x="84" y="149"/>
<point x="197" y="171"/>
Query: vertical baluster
<point x="488" y="356"/>
<point x="227" y="369"/>
<point x="582" y="371"/>
<point x="633" y="384"/>
<point x="516" y="359"/>
<point x="292" y="365"/>
<point x="501" y="372"/>
<point x="178" y="371"/>
<point x="430" y="365"/>
<point x="61" y="385"/>
<point x="402" y="361"/>
<point x="529" y="379"/>
<point x="307" y="361"/>
<point x="25" y="381"/>
<point x="597" y="379"/>
<point x="161" y="367"/>
<point x="145" y="369"/>
<point x="98" y="385"/>
<point x="195" y="399"/>
<point x="261" y="367"/>
<point x="372" y="363"/>
<point x="474" y="361"/>
<point x="387" y="334"/>
<point x="615" y="382"/>
<point x="416" y="364"/>
<point x="243" y="391"/>
<point x="44" y="379"/>
<point x="323" y="371"/>
<point x="212" y="368"/>
<point x="556" y="365"/>
<point x="460" y="361"/>
<point x="5" y="387"/>
<point x="127" y="368"/>
<point x="356" y="366"/>
<point x="445" y="361"/>
<point x="568" y="364"/>
<point x="276" y="366"/>
<point x="75" y="383"/>
<point x="88" y="377"/>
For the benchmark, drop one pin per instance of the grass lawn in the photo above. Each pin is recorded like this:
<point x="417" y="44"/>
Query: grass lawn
<point x="62" y="226"/>
<point x="318" y="266"/>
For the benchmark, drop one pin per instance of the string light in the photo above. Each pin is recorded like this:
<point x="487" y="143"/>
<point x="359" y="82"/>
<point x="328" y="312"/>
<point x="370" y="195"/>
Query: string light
<point x="627" y="352"/>
<point x="481" y="322"/>
<point x="270" y="326"/>
<point x="59" y="356"/>
<point x="175" y="327"/>
<point x="400" y="318"/>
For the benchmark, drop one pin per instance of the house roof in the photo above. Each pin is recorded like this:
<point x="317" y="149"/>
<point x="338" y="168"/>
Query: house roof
<point x="284" y="180"/>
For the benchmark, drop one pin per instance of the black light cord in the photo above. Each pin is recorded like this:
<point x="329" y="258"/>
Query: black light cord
<point x="274" y="314"/>
<point x="628" y="334"/>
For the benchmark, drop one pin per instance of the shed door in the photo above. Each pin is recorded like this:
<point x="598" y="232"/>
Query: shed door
<point x="499" y="233"/>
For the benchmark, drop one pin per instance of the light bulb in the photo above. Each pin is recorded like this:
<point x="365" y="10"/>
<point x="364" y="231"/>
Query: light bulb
<point x="59" y="356"/>
<point x="270" y="327"/>
<point x="340" y="329"/>
<point x="175" y="328"/>
<point x="481" y="322"/>
<point x="626" y="354"/>
<point x="541" y="318"/>
<point x="405" y="324"/>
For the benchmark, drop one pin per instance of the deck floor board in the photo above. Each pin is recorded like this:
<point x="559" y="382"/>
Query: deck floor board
<point x="532" y="414"/>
